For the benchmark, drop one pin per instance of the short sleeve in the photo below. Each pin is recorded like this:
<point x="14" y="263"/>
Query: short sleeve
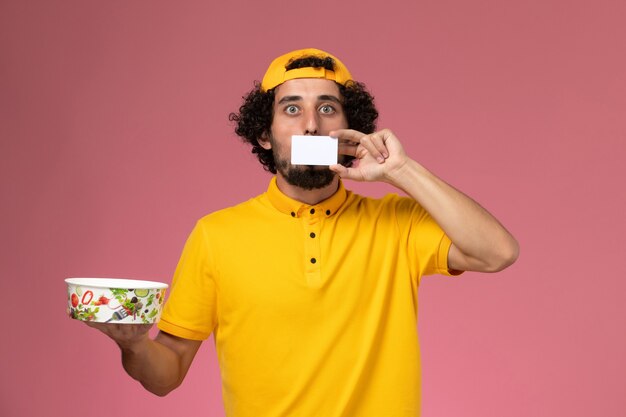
<point x="428" y="245"/>
<point x="190" y="311"/>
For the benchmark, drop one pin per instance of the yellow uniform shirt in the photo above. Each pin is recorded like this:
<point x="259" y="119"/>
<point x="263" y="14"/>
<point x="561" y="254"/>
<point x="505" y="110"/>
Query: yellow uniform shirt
<point x="313" y="308"/>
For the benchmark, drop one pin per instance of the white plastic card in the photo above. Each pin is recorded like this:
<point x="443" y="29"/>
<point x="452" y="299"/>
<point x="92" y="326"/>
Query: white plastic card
<point x="314" y="150"/>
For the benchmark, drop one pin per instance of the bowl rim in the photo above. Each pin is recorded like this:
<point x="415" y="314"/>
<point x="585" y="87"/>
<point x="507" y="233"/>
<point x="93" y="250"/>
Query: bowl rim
<point x="115" y="283"/>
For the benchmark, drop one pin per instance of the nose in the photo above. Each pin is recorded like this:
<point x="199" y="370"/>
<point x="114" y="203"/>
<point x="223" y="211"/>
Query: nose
<point x="311" y="123"/>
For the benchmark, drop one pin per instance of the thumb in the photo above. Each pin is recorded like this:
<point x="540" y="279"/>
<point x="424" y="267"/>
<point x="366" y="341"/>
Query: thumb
<point x="345" y="173"/>
<point x="339" y="170"/>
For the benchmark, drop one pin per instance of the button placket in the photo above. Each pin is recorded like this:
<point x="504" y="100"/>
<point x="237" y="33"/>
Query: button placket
<point x="312" y="246"/>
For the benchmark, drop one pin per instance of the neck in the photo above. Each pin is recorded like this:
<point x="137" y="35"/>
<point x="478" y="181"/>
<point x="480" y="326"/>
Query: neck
<point x="310" y="197"/>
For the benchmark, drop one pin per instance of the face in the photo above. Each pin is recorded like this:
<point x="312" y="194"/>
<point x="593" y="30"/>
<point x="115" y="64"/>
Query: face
<point x="307" y="106"/>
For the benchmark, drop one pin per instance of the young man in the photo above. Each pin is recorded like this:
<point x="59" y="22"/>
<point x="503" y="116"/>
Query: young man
<point x="310" y="290"/>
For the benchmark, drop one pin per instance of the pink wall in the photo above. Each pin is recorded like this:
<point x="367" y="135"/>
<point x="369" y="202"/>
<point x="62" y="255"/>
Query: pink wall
<point x="115" y="139"/>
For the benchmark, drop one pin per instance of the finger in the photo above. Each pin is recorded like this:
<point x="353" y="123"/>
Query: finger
<point x="346" y="173"/>
<point x="121" y="332"/>
<point x="375" y="146"/>
<point x="348" y="148"/>
<point x="379" y="140"/>
<point x="97" y="325"/>
<point x="338" y="169"/>
<point x="347" y="135"/>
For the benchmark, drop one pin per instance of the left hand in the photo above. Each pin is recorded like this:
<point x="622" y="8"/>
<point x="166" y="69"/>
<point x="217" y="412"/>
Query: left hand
<point x="377" y="155"/>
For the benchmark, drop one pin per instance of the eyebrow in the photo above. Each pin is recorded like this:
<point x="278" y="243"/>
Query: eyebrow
<point x="323" y="97"/>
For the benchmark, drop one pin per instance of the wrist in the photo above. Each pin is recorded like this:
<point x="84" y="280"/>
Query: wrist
<point x="135" y="345"/>
<point x="403" y="173"/>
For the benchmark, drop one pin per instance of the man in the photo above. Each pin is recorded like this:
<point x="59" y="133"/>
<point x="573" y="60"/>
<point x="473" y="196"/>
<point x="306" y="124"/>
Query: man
<point x="310" y="290"/>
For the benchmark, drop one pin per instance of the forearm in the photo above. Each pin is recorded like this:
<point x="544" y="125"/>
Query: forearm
<point x="154" y="365"/>
<point x="483" y="242"/>
<point x="160" y="364"/>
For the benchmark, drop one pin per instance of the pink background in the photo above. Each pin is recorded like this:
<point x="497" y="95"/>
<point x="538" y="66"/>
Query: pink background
<point x="115" y="139"/>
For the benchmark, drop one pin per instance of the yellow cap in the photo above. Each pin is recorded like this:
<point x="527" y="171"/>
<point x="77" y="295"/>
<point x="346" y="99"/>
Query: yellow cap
<point x="277" y="74"/>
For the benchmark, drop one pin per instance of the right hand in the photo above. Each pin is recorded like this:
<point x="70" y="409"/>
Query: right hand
<point x="125" y="335"/>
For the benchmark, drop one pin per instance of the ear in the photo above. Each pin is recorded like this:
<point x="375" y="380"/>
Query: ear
<point x="264" y="141"/>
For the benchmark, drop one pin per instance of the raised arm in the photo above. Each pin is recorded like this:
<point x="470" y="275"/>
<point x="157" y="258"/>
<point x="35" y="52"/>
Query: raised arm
<point x="479" y="241"/>
<point x="160" y="365"/>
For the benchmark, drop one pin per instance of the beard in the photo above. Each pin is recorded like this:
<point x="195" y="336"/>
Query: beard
<point x="307" y="177"/>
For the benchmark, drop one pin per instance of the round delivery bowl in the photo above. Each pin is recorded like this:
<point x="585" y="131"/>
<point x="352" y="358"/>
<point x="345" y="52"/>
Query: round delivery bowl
<point x="115" y="300"/>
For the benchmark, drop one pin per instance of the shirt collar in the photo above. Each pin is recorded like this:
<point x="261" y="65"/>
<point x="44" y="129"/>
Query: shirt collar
<point x="297" y="208"/>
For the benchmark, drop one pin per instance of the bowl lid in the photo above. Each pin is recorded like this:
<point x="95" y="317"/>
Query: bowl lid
<point x="115" y="283"/>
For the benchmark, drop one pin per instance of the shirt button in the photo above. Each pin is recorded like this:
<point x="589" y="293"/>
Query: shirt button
<point x="313" y="260"/>
<point x="328" y="212"/>
<point x="312" y="235"/>
<point x="293" y="214"/>
<point x="312" y="211"/>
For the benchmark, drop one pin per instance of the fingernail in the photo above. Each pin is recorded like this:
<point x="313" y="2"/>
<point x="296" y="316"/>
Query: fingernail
<point x="380" y="159"/>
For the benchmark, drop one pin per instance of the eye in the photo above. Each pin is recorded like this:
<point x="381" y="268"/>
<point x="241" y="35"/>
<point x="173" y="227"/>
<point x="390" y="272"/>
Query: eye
<point x="291" y="109"/>
<point x="327" y="109"/>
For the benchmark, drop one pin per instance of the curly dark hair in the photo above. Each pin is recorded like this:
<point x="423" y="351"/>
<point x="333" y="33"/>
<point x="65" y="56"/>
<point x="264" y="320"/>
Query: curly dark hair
<point x="254" y="119"/>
